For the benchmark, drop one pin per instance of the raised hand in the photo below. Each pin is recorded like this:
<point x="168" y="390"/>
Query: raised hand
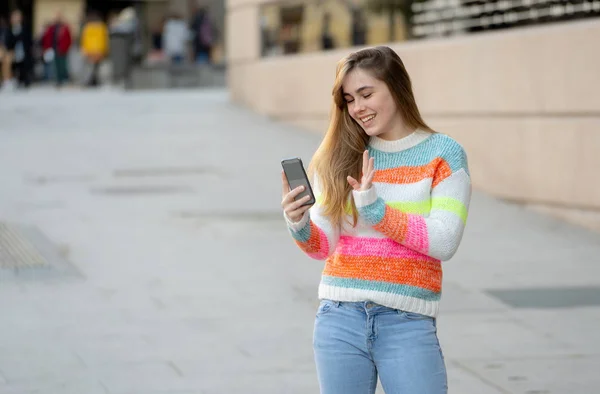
<point x="368" y="172"/>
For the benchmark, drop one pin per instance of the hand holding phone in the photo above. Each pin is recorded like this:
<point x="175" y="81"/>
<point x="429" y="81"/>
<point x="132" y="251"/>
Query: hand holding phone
<point x="297" y="193"/>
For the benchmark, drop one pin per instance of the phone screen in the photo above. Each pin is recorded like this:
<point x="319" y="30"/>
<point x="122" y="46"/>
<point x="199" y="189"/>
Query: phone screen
<point x="296" y="176"/>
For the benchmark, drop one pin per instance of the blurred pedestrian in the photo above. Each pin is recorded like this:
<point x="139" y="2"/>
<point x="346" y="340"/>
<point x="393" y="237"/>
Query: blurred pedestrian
<point x="127" y="22"/>
<point x="19" y="43"/>
<point x="157" y="33"/>
<point x="156" y="49"/>
<point x="94" y="48"/>
<point x="327" y="40"/>
<point x="392" y="198"/>
<point x="176" y="37"/>
<point x="56" y="44"/>
<point x="3" y="51"/>
<point x="203" y="35"/>
<point x="359" y="27"/>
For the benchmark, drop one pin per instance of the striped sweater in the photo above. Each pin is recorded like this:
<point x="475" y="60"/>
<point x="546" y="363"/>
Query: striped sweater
<point x="410" y="221"/>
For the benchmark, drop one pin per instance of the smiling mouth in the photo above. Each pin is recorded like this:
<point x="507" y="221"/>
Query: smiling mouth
<point x="367" y="119"/>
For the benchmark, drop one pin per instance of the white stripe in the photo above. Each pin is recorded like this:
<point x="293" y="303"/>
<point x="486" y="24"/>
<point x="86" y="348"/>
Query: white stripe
<point x="407" y="142"/>
<point x="394" y="301"/>
<point x="416" y="191"/>
<point x="362" y="230"/>
<point x="444" y="230"/>
<point x="456" y="186"/>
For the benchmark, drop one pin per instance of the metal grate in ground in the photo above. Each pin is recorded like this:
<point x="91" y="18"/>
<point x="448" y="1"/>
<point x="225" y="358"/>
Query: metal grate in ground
<point x="16" y="251"/>
<point x="549" y="297"/>
<point x="26" y="253"/>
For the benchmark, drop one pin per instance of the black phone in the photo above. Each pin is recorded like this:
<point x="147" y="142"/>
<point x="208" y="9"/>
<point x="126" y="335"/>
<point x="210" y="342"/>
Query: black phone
<point x="296" y="176"/>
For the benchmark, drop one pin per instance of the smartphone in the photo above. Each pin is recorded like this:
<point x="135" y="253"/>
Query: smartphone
<point x="296" y="176"/>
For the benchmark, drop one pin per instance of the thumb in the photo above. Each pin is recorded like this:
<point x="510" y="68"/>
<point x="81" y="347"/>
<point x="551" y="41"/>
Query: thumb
<point x="353" y="182"/>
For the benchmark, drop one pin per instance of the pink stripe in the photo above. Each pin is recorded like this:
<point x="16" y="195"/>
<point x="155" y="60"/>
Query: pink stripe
<point x="416" y="234"/>
<point x="323" y="245"/>
<point x="379" y="247"/>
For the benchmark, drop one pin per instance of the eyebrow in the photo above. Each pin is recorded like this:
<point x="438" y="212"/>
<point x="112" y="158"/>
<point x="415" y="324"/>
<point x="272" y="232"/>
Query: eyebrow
<point x="359" y="90"/>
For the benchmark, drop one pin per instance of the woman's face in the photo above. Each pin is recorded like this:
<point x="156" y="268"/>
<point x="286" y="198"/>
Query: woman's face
<point x="371" y="105"/>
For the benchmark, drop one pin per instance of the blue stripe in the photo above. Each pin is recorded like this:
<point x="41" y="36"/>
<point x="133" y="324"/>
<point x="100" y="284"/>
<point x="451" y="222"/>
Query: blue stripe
<point x="438" y="145"/>
<point x="384" y="287"/>
<point x="303" y="235"/>
<point x="373" y="213"/>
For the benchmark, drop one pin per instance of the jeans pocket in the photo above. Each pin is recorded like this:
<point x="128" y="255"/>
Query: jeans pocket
<point x="324" y="307"/>
<point x="413" y="315"/>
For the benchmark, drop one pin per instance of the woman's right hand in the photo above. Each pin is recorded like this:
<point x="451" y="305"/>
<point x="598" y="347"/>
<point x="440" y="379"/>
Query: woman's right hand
<point x="293" y="209"/>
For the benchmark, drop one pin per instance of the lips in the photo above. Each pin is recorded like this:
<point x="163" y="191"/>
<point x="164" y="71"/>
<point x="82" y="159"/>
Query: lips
<point x="367" y="119"/>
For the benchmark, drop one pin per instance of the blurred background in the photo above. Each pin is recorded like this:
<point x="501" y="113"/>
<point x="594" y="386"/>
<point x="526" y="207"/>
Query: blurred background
<point x="142" y="244"/>
<point x="126" y="42"/>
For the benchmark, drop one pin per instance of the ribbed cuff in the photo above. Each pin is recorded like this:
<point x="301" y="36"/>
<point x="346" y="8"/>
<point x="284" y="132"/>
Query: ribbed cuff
<point x="364" y="198"/>
<point x="297" y="226"/>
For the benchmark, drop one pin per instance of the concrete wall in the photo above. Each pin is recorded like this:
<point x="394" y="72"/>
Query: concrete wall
<point x="524" y="103"/>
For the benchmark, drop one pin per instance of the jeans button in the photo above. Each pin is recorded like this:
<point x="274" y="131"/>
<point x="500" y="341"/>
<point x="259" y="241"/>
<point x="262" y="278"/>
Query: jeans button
<point x="369" y="305"/>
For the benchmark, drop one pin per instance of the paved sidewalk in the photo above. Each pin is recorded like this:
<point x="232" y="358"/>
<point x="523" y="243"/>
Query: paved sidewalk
<point x="170" y="269"/>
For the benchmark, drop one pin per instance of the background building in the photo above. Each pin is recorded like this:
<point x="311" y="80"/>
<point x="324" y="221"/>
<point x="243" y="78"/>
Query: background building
<point x="522" y="94"/>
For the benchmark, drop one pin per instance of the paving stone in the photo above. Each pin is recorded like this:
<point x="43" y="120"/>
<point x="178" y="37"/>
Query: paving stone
<point x="188" y="273"/>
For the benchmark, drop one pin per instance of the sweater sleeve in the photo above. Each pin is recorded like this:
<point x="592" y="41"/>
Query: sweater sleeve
<point x="439" y="234"/>
<point x="314" y="233"/>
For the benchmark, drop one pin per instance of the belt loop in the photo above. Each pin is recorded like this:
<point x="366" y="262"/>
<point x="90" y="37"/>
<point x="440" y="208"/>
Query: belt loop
<point x="337" y="304"/>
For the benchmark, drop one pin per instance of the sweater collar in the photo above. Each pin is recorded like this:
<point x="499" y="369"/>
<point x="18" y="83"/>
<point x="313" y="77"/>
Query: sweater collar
<point x="403" y="143"/>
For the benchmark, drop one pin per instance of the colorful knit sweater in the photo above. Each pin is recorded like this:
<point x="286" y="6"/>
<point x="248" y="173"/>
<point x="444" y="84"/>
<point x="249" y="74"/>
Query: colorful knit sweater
<point x="410" y="221"/>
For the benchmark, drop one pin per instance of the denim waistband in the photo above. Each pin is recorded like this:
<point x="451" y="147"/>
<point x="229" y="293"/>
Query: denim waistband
<point x="365" y="306"/>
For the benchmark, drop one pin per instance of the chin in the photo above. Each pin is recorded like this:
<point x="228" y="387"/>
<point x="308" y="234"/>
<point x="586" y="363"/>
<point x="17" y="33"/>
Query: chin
<point x="372" y="132"/>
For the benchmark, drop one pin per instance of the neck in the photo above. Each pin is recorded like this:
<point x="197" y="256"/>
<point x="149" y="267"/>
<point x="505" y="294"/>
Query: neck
<point x="399" y="131"/>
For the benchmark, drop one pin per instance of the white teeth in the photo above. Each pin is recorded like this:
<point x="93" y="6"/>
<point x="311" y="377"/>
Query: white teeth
<point x="368" y="118"/>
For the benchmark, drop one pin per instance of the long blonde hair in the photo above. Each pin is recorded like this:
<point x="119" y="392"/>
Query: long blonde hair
<point x="340" y="152"/>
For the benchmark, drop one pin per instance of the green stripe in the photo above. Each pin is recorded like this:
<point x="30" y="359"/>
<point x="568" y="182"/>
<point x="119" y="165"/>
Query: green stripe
<point x="384" y="287"/>
<point x="423" y="207"/>
<point x="319" y="201"/>
<point x="416" y="207"/>
<point x="451" y="205"/>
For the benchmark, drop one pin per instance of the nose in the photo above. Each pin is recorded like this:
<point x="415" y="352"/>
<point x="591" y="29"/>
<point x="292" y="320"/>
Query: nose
<point x="359" y="106"/>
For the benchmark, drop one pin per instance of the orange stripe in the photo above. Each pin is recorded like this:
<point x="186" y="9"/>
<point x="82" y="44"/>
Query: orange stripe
<point x="394" y="224"/>
<point x="438" y="169"/>
<point x="313" y="245"/>
<point x="442" y="172"/>
<point x="422" y="273"/>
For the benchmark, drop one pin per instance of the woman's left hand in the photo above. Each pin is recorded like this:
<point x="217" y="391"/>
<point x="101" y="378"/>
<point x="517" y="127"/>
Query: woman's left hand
<point x="368" y="172"/>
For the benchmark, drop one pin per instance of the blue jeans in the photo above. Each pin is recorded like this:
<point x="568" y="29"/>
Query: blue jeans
<point x="202" y="57"/>
<point x="354" y="342"/>
<point x="177" y="59"/>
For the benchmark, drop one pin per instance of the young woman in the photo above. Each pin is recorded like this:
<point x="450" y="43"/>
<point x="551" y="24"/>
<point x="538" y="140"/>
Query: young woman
<point x="392" y="202"/>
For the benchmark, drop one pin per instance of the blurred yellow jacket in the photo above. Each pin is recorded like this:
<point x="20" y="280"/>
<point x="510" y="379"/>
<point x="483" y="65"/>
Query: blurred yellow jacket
<point x="94" y="40"/>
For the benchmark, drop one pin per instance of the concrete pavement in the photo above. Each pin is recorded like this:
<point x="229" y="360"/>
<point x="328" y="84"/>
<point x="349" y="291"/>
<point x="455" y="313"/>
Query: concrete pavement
<point x="172" y="270"/>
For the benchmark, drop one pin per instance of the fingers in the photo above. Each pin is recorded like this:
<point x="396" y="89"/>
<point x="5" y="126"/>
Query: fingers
<point x="298" y="204"/>
<point x="371" y="172"/>
<point x="290" y="196"/>
<point x="304" y="208"/>
<point x="297" y="208"/>
<point x="365" y="165"/>
<point x="296" y="215"/>
<point x="353" y="182"/>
